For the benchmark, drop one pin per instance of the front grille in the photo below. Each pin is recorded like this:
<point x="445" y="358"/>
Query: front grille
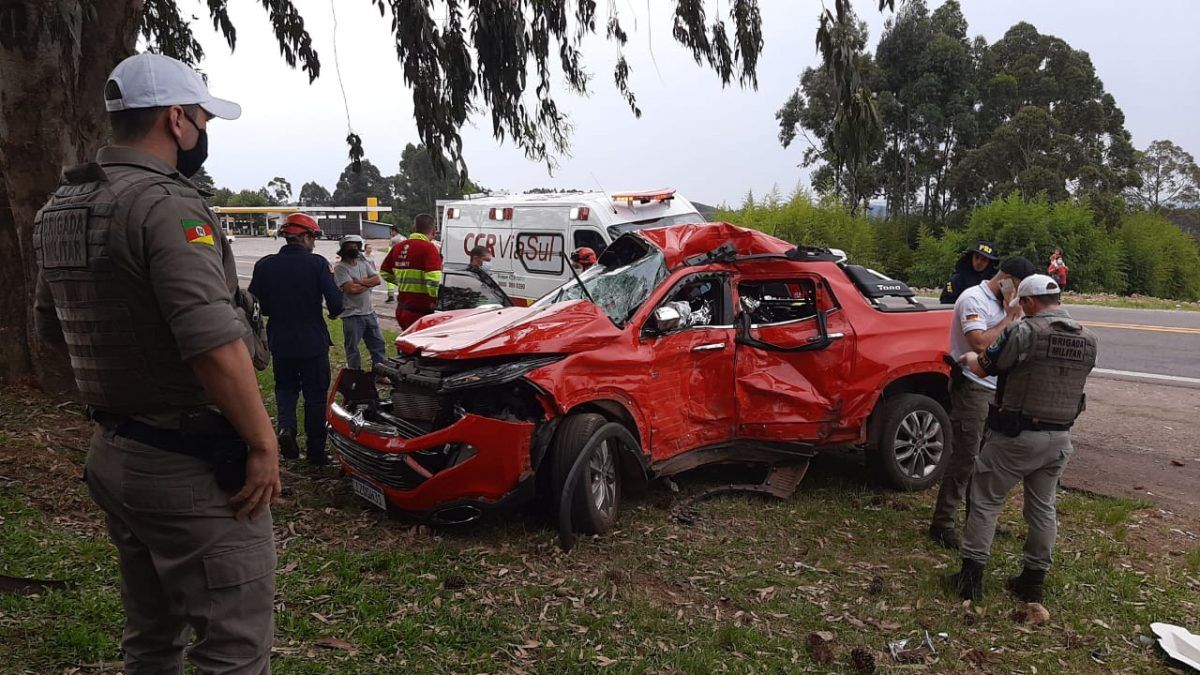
<point x="388" y="468"/>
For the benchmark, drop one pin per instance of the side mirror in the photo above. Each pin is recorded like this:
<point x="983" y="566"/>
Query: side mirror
<point x="666" y="319"/>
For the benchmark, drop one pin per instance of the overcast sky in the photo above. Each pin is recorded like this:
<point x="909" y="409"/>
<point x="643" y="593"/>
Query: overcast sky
<point x="712" y="144"/>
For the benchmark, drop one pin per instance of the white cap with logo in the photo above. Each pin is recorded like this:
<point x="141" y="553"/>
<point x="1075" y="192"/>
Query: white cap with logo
<point x="154" y="81"/>
<point x="1037" y="284"/>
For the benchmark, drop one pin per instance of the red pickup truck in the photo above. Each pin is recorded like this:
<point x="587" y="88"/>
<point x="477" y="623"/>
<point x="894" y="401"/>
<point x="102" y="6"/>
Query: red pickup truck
<point x="684" y="346"/>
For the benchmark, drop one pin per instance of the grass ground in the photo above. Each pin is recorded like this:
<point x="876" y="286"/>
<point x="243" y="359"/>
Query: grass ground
<point x="1132" y="302"/>
<point x="730" y="585"/>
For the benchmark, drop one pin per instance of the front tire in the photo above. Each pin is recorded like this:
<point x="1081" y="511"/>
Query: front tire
<point x="913" y="446"/>
<point x="598" y="488"/>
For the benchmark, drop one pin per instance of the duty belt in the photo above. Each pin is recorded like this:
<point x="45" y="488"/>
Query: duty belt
<point x="1012" y="423"/>
<point x="205" y="435"/>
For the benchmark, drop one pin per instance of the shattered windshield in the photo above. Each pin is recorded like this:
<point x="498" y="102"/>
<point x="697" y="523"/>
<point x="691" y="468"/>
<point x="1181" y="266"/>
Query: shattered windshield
<point x="619" y="284"/>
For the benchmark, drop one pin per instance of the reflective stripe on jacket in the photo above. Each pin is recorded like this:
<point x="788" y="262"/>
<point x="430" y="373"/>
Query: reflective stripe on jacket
<point x="415" y="266"/>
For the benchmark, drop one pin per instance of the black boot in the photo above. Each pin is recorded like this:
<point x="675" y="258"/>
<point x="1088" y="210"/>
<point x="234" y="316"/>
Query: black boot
<point x="968" y="583"/>
<point x="944" y="536"/>
<point x="287" y="444"/>
<point x="1029" y="586"/>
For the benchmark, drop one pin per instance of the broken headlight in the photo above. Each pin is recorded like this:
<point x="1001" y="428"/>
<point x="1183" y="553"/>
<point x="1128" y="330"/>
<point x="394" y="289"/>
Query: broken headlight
<point x="496" y="374"/>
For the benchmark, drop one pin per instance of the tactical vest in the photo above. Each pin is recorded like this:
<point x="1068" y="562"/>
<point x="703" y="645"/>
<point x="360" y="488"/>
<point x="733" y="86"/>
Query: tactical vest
<point x="89" y="251"/>
<point x="1047" y="385"/>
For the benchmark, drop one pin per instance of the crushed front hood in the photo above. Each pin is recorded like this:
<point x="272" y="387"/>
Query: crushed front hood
<point x="564" y="328"/>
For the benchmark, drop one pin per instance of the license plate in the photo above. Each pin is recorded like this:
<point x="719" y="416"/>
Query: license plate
<point x="368" y="492"/>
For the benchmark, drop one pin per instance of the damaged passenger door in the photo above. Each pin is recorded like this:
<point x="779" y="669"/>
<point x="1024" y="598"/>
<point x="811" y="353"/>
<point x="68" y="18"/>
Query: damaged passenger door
<point x="794" y="354"/>
<point x="690" y="336"/>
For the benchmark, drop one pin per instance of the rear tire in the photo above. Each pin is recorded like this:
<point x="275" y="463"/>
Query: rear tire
<point x="598" y="488"/>
<point x="913" y="446"/>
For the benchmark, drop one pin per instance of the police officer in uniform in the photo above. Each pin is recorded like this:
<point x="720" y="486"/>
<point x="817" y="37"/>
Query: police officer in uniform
<point x="139" y="285"/>
<point x="977" y="264"/>
<point x="1043" y="363"/>
<point x="290" y="286"/>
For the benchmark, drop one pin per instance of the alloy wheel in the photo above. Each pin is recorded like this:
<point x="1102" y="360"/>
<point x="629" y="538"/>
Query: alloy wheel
<point x="920" y="441"/>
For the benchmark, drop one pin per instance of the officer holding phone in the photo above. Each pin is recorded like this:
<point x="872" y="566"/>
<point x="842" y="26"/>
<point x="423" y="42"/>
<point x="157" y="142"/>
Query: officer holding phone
<point x="981" y="313"/>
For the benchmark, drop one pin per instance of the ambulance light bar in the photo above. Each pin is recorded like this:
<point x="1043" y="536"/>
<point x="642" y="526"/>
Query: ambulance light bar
<point x="645" y="197"/>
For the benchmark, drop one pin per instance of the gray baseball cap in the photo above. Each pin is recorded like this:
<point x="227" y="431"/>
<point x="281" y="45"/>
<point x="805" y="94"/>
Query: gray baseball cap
<point x="155" y="81"/>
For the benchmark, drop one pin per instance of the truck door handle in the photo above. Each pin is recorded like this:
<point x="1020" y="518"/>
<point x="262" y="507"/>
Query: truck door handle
<point x="831" y="337"/>
<point x="709" y="347"/>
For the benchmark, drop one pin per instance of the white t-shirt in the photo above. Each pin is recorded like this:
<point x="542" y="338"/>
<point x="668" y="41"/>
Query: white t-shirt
<point x="397" y="239"/>
<point x="976" y="309"/>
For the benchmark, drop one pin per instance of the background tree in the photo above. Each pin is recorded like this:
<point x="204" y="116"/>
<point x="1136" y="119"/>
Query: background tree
<point x="280" y="189"/>
<point x="418" y="185"/>
<point x="1042" y="106"/>
<point x="353" y="187"/>
<point x="204" y="181"/>
<point x="220" y="197"/>
<point x="313" y="193"/>
<point x="960" y="122"/>
<point x="842" y="167"/>
<point x="926" y="104"/>
<point x="459" y="58"/>
<point x="1168" y="177"/>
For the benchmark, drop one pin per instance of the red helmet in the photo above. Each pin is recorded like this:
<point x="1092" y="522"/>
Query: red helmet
<point x="584" y="256"/>
<point x="300" y="223"/>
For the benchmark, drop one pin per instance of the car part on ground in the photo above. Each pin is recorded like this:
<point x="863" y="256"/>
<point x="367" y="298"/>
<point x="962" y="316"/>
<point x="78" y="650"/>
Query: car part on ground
<point x="781" y="482"/>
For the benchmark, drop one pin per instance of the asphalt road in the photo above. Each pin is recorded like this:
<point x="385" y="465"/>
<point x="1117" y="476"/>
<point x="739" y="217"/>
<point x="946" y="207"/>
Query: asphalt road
<point x="1161" y="346"/>
<point x="1134" y="342"/>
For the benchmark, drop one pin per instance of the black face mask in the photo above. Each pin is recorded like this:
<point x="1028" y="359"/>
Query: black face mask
<point x="350" y="253"/>
<point x="188" y="162"/>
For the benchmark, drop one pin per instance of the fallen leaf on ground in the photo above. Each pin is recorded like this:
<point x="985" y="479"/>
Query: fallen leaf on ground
<point x="335" y="643"/>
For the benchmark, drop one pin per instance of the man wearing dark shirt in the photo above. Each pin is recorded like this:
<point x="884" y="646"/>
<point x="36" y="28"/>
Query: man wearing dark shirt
<point x="289" y="286"/>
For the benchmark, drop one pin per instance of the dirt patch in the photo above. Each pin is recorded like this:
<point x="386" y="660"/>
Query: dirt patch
<point x="42" y="449"/>
<point x="1139" y="441"/>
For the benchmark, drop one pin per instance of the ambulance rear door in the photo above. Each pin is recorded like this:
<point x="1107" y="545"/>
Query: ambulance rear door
<point x="541" y="237"/>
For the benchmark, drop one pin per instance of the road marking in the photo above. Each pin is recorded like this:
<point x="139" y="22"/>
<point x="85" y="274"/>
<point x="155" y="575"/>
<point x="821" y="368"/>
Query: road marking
<point x="1184" y="330"/>
<point x="1149" y="376"/>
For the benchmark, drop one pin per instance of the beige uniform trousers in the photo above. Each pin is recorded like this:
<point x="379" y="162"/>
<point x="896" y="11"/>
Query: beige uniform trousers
<point x="186" y="563"/>
<point x="968" y="415"/>
<point x="1035" y="458"/>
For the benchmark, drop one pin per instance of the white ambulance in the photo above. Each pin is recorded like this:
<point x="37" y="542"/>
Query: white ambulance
<point x="528" y="233"/>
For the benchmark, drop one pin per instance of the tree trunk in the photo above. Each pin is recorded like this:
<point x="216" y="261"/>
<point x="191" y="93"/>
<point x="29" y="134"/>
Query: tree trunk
<point x="54" y="60"/>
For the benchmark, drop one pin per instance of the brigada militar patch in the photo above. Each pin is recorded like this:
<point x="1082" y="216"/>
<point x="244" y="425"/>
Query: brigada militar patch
<point x="197" y="231"/>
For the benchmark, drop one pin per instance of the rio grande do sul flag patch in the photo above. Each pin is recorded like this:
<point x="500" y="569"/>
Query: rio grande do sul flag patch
<point x="197" y="231"/>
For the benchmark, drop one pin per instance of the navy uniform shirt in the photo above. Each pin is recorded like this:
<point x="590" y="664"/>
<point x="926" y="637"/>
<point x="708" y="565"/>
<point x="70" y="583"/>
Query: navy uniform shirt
<point x="289" y="286"/>
<point x="964" y="277"/>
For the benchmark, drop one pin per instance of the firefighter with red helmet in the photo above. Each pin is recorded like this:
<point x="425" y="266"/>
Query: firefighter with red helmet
<point x="415" y="267"/>
<point x="583" y="258"/>
<point x="290" y="286"/>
